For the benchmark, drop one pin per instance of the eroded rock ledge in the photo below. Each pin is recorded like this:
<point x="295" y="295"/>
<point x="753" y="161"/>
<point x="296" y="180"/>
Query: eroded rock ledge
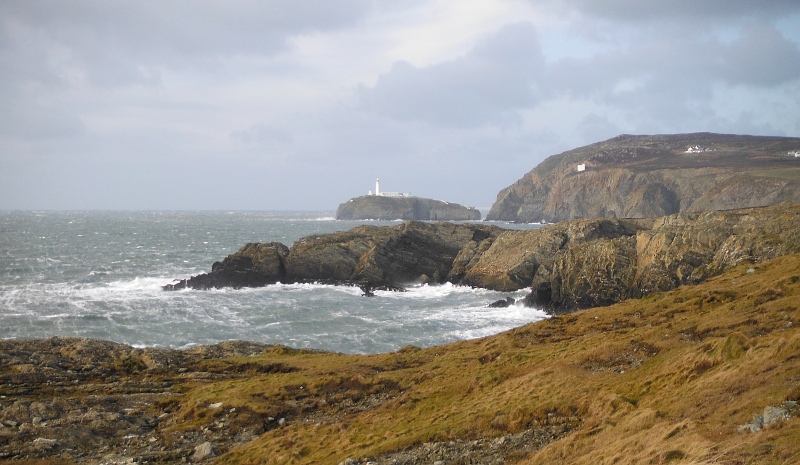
<point x="569" y="265"/>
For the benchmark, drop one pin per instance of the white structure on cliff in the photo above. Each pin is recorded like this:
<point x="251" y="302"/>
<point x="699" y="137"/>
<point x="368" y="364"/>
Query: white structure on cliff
<point x="378" y="192"/>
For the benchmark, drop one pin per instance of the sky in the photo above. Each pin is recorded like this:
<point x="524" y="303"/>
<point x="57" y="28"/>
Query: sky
<point x="302" y="104"/>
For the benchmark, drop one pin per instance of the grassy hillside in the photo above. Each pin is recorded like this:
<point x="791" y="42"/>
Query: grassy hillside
<point x="669" y="378"/>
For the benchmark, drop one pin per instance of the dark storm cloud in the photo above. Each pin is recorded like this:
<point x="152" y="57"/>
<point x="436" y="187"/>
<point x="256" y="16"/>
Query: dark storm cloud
<point x="487" y="85"/>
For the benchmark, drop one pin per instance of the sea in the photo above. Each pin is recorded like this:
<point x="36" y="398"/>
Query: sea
<point x="98" y="274"/>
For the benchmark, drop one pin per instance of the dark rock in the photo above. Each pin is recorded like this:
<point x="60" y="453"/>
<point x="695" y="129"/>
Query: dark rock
<point x="253" y="265"/>
<point x="502" y="303"/>
<point x="385" y="256"/>
<point x="648" y="176"/>
<point x="376" y="207"/>
<point x="540" y="297"/>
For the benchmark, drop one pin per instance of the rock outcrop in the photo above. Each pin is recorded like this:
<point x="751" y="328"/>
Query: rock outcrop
<point x="587" y="263"/>
<point x="368" y="256"/>
<point x="376" y="207"/>
<point x="648" y="176"/>
<point x="253" y="265"/>
<point x="568" y="265"/>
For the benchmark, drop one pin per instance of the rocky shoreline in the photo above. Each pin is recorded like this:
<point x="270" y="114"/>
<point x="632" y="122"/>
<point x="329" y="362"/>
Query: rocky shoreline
<point x="648" y="379"/>
<point x="93" y="401"/>
<point x="567" y="266"/>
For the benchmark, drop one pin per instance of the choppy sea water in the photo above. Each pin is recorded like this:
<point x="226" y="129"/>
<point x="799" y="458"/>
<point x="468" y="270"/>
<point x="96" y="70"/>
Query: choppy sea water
<point x="99" y="275"/>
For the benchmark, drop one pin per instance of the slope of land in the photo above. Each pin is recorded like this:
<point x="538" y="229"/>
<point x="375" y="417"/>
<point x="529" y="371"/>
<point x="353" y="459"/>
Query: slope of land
<point x="702" y="374"/>
<point x="376" y="207"/>
<point x="645" y="176"/>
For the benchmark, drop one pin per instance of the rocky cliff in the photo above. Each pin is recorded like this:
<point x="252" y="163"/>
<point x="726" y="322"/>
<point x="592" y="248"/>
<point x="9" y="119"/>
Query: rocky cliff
<point x="647" y="176"/>
<point x="376" y="207"/>
<point x="568" y="265"/>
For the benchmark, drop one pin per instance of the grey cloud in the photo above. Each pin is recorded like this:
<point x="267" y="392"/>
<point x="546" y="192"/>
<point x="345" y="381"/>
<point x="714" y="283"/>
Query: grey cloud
<point x="670" y="76"/>
<point x="188" y="27"/>
<point x="52" y="52"/>
<point x="487" y="85"/>
<point x="685" y="10"/>
<point x="761" y="57"/>
<point x="120" y="43"/>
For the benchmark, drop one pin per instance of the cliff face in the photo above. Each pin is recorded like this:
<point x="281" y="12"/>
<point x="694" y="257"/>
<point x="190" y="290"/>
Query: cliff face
<point x="373" y="207"/>
<point x="568" y="265"/>
<point x="647" y="176"/>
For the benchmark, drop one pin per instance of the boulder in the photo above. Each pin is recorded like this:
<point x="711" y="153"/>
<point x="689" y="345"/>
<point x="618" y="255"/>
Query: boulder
<point x="503" y="303"/>
<point x="203" y="451"/>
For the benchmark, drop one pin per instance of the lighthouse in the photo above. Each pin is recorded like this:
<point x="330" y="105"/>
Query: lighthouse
<point x="377" y="187"/>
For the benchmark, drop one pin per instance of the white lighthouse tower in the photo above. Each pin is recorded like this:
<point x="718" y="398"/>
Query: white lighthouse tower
<point x="377" y="187"/>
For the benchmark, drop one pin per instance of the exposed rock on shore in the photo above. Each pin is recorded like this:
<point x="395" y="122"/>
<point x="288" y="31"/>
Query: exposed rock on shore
<point x="701" y="374"/>
<point x="376" y="207"/>
<point x="568" y="265"/>
<point x="649" y="176"/>
<point x="368" y="256"/>
<point x="87" y="399"/>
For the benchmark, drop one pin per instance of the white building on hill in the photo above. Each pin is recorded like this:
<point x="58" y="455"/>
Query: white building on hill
<point x="387" y="194"/>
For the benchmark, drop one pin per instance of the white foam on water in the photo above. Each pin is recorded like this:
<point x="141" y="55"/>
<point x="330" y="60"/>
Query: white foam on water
<point x="103" y="288"/>
<point x="428" y="291"/>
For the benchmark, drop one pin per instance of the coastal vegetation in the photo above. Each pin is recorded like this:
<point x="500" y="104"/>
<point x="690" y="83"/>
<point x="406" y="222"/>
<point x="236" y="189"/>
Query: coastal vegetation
<point x="701" y="374"/>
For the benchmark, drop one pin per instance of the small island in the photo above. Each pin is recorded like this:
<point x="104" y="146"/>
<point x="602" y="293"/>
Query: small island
<point x="403" y="206"/>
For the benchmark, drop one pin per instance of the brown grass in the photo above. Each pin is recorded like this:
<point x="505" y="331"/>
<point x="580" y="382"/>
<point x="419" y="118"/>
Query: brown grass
<point x="664" y="379"/>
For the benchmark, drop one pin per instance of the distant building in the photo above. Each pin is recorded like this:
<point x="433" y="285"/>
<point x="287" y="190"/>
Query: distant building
<point x="378" y="192"/>
<point x="795" y="153"/>
<point x="698" y="149"/>
<point x="581" y="167"/>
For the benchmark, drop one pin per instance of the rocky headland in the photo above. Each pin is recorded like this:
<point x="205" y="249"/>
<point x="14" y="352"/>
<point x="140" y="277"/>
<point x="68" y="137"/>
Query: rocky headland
<point x="569" y="265"/>
<point x="701" y="374"/>
<point x="380" y="207"/>
<point x="685" y="349"/>
<point x="648" y="176"/>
